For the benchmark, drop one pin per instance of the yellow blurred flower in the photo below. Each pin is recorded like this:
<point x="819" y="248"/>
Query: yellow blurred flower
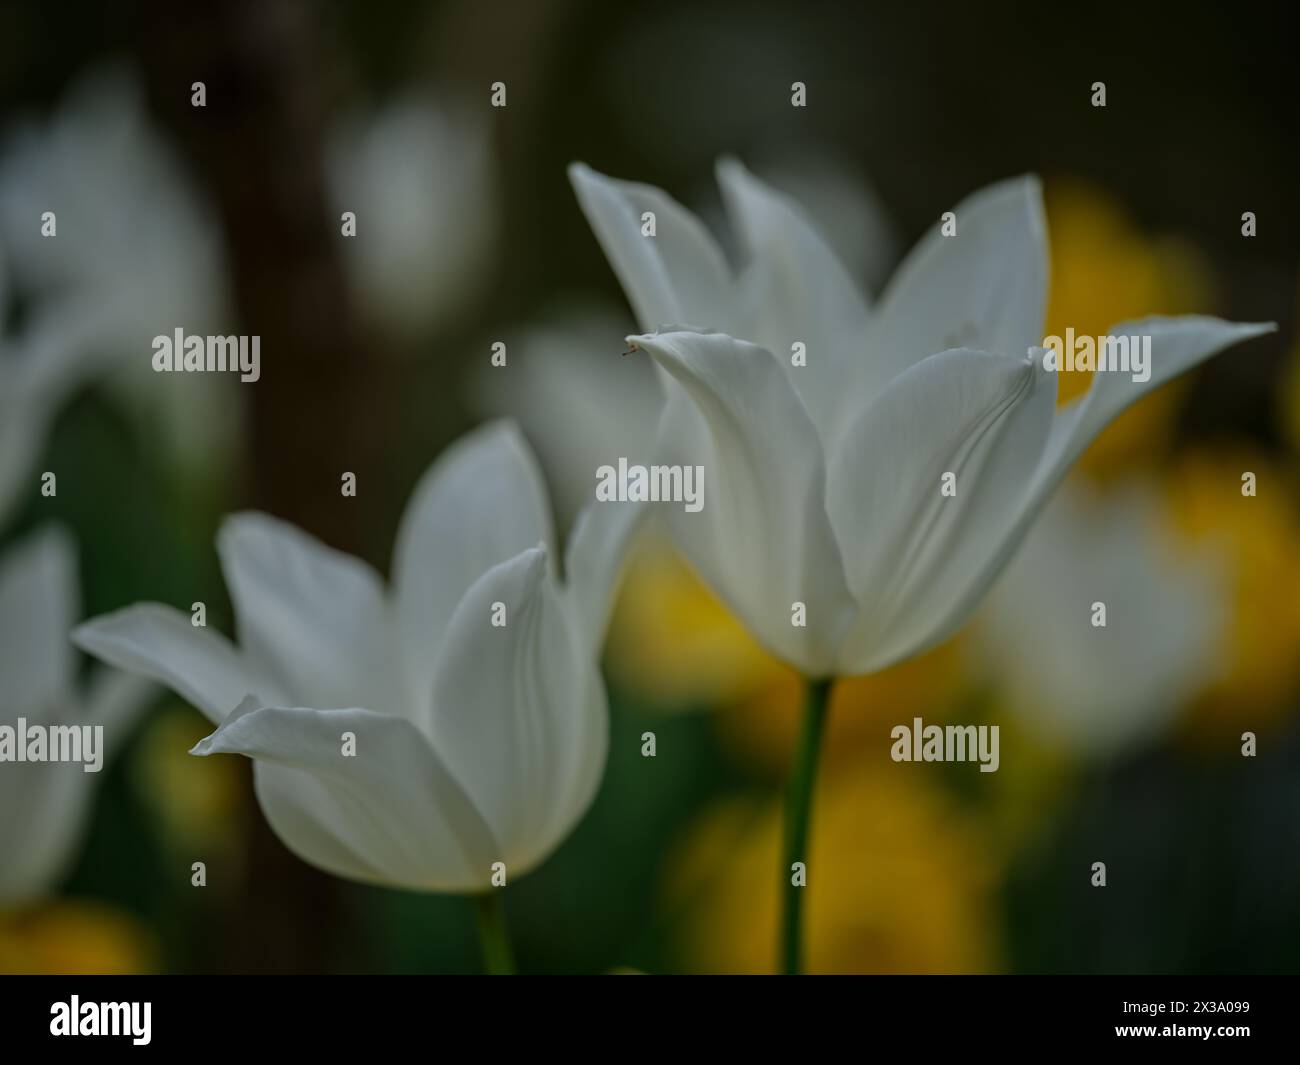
<point x="75" y="937"/>
<point x="899" y="881"/>
<point x="1104" y="270"/>
<point x="673" y="643"/>
<point x="763" y="728"/>
<point x="196" y="800"/>
<point x="1257" y="537"/>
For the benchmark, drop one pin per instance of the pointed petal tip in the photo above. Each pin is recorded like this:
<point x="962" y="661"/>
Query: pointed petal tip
<point x="83" y="635"/>
<point x="535" y="557"/>
<point x="213" y="742"/>
<point x="657" y="344"/>
<point x="669" y="330"/>
<point x="728" y="167"/>
<point x="583" y="177"/>
<point x="1028" y="184"/>
<point x="533" y="561"/>
<point x="1031" y="188"/>
<point x="1024" y="188"/>
<point x="240" y="522"/>
<point x="504" y="430"/>
<point x="1238" y="331"/>
<point x="89" y="635"/>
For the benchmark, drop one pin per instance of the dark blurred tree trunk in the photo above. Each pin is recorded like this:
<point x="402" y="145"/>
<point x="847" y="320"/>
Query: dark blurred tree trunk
<point x="258" y="147"/>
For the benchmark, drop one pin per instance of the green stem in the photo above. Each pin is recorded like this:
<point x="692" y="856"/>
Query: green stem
<point x="490" y="916"/>
<point x="798" y="813"/>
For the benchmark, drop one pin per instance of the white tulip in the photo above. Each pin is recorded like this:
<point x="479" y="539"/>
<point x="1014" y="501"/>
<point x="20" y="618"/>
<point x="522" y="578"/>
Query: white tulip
<point x="474" y="744"/>
<point x="824" y="479"/>
<point x="46" y="804"/>
<point x="1097" y="689"/>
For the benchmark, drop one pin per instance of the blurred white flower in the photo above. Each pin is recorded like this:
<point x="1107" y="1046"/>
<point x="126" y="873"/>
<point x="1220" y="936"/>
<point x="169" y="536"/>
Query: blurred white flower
<point x="825" y="478"/>
<point x="39" y="366"/>
<point x="46" y="804"/>
<point x="1099" y="690"/>
<point x="580" y="404"/>
<point x="473" y="743"/>
<point x="421" y="180"/>
<point x="131" y="234"/>
<point x="135" y="254"/>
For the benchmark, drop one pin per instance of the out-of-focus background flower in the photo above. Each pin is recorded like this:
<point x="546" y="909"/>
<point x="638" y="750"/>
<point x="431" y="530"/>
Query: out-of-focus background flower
<point x="1121" y="745"/>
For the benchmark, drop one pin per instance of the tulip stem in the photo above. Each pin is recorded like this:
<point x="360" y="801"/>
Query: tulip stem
<point x="490" y="916"/>
<point x="798" y="813"/>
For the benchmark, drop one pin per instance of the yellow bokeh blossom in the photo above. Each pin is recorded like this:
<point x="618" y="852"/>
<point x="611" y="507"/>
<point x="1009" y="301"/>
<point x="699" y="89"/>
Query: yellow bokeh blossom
<point x="197" y="801"/>
<point x="763" y="728"/>
<point x="671" y="641"/>
<point x="75" y="937"/>
<point x="1256" y="537"/>
<point x="1105" y="270"/>
<point x="899" y="881"/>
<point x="675" y="645"/>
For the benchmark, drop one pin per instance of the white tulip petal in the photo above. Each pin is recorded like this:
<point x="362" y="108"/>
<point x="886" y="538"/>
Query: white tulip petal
<point x="512" y="710"/>
<point x="390" y="813"/>
<point x="984" y="287"/>
<point x="313" y="618"/>
<point x="1177" y="345"/>
<point x="305" y="814"/>
<point x="983" y="418"/>
<point x="800" y="293"/>
<point x="677" y="275"/>
<point x="159" y="642"/>
<point x="38" y="602"/>
<point x="588" y="758"/>
<point x="481" y="503"/>
<point x="593" y="561"/>
<point x="762" y="539"/>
